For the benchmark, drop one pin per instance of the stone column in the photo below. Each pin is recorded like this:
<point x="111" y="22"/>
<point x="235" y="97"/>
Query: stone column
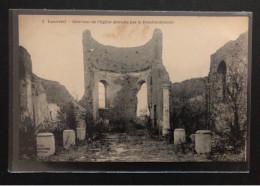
<point x="68" y="138"/>
<point x="179" y="136"/>
<point x="166" y="110"/>
<point x="45" y="145"/>
<point x="81" y="133"/>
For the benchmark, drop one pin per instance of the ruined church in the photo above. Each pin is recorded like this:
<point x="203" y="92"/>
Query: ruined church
<point x="215" y="102"/>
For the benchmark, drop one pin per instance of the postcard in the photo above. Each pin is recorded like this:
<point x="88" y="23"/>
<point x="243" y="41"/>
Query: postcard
<point x="102" y="87"/>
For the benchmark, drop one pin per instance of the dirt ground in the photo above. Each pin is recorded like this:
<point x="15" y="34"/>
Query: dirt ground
<point x="135" y="147"/>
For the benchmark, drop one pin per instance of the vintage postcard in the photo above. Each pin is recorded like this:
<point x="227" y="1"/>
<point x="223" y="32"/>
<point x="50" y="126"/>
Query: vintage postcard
<point x="97" y="86"/>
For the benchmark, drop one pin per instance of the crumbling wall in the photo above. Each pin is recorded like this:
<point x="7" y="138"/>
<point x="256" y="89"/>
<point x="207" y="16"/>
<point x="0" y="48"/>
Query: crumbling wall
<point x="123" y="70"/>
<point x="121" y="60"/>
<point x="40" y="99"/>
<point x="228" y="84"/>
<point x="33" y="101"/>
<point x="157" y="78"/>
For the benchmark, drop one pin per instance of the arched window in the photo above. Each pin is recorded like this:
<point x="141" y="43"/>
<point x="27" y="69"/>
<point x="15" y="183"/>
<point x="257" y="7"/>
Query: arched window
<point x="142" y="106"/>
<point x="221" y="79"/>
<point x="101" y="95"/>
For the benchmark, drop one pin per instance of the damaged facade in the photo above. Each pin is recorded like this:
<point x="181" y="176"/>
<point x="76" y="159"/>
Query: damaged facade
<point x="122" y="71"/>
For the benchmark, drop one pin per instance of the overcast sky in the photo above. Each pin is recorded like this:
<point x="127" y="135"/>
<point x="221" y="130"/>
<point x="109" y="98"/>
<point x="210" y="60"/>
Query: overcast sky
<point x="56" y="48"/>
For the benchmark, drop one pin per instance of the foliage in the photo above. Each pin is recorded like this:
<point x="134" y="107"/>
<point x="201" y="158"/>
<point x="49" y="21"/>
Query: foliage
<point x="27" y="138"/>
<point x="66" y="120"/>
<point x="153" y="131"/>
<point x="118" y="125"/>
<point x="60" y="126"/>
<point x="189" y="120"/>
<point x="67" y="117"/>
<point x="236" y="91"/>
<point x="95" y="129"/>
<point x="226" y="142"/>
<point x="184" y="148"/>
<point x="189" y="110"/>
<point x="140" y="122"/>
<point x="71" y="117"/>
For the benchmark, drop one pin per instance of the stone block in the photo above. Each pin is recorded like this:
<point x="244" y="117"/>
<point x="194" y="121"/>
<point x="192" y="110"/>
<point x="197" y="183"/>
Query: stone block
<point x="45" y="145"/>
<point x="68" y="138"/>
<point x="179" y="136"/>
<point x="203" y="141"/>
<point x="81" y="134"/>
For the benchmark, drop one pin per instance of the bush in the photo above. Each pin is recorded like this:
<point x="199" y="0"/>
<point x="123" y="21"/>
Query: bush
<point x="223" y="143"/>
<point x="184" y="148"/>
<point x="95" y="130"/>
<point x="140" y="122"/>
<point x="190" y="120"/>
<point x="67" y="116"/>
<point x="153" y="131"/>
<point x="118" y="125"/>
<point x="67" y="120"/>
<point x="58" y="133"/>
<point x="27" y="138"/>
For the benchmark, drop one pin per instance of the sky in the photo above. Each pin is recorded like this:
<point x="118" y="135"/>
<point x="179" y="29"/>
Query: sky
<point x="188" y="42"/>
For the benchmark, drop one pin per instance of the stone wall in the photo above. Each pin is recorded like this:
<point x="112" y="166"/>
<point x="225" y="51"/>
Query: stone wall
<point x="124" y="59"/>
<point x="123" y="71"/>
<point x="156" y="80"/>
<point x="33" y="101"/>
<point x="40" y="99"/>
<point x="220" y="98"/>
<point x="228" y="84"/>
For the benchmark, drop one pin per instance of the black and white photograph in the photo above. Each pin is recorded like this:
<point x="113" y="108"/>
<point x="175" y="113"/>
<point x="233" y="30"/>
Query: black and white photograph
<point x="113" y="88"/>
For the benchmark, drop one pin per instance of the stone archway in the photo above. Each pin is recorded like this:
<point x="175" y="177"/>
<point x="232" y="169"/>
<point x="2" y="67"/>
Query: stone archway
<point x="142" y="100"/>
<point x="221" y="80"/>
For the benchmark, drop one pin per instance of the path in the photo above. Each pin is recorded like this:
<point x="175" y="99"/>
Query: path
<point x="127" y="147"/>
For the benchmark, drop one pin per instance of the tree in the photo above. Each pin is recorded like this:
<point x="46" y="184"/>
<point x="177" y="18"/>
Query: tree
<point x="236" y="89"/>
<point x="67" y="116"/>
<point x="71" y="117"/>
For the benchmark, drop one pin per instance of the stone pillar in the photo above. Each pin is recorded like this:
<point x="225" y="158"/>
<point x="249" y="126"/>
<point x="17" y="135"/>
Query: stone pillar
<point x="45" y="145"/>
<point x="179" y="136"/>
<point x="81" y="133"/>
<point x="166" y="110"/>
<point x="203" y="141"/>
<point x="68" y="138"/>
